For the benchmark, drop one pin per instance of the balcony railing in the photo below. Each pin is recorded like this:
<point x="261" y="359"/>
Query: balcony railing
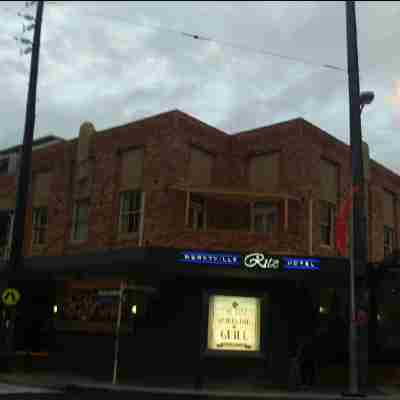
<point x="233" y="240"/>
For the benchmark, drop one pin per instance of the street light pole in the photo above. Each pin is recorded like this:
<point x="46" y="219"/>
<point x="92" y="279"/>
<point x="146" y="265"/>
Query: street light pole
<point x="358" y="253"/>
<point x="24" y="175"/>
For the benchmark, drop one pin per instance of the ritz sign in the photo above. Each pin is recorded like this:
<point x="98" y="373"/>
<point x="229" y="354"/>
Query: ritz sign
<point x="259" y="260"/>
<point x="251" y="261"/>
<point x="263" y="262"/>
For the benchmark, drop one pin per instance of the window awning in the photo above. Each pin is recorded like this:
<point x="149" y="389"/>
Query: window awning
<point x="239" y="195"/>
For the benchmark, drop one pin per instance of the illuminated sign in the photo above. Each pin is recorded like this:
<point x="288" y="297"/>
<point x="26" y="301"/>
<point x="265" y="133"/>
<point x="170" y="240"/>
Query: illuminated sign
<point x="234" y="323"/>
<point x="200" y="257"/>
<point x="304" y="264"/>
<point x="261" y="261"/>
<point x="253" y="261"/>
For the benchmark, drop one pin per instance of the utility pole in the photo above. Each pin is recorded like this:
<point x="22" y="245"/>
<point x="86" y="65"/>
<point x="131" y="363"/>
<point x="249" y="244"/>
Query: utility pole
<point x="358" y="255"/>
<point x="24" y="174"/>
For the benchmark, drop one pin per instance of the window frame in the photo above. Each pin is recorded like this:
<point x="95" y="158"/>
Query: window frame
<point x="137" y="211"/>
<point x="39" y="227"/>
<point x="197" y="206"/>
<point x="4" y="166"/>
<point x="330" y="225"/>
<point x="265" y="210"/>
<point x="7" y="246"/>
<point x="194" y="153"/>
<point x="390" y="246"/>
<point x="75" y="222"/>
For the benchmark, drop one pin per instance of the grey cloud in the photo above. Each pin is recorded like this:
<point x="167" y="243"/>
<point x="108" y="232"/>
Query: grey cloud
<point x="106" y="62"/>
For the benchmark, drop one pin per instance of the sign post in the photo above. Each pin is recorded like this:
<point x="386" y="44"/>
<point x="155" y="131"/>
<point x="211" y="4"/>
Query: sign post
<point x="10" y="298"/>
<point x="117" y="330"/>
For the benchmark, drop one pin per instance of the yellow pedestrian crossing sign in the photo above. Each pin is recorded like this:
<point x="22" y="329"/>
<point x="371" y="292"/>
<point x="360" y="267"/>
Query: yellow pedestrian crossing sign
<point x="10" y="297"/>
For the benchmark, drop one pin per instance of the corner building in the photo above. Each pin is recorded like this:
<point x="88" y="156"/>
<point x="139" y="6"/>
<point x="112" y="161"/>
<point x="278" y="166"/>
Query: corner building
<point x="225" y="245"/>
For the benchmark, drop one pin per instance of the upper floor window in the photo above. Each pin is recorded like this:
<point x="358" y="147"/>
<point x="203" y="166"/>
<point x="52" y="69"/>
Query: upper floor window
<point x="39" y="226"/>
<point x="130" y="211"/>
<point x="132" y="169"/>
<point x="329" y="186"/>
<point x="81" y="220"/>
<point x="4" y="166"/>
<point x="264" y="171"/>
<point x="327" y="218"/>
<point x="329" y="181"/>
<point x="389" y="221"/>
<point x="6" y="228"/>
<point x="41" y="189"/>
<point x="197" y="213"/>
<point x="388" y="240"/>
<point x="264" y="218"/>
<point x="200" y="167"/>
<point x="9" y="164"/>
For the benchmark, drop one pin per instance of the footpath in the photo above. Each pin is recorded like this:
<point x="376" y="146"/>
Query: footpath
<point x="58" y="382"/>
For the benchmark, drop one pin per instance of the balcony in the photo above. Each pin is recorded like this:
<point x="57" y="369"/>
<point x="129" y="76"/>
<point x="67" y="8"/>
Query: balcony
<point x="230" y="222"/>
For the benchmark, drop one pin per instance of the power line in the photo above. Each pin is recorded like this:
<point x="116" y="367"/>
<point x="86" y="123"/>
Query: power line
<point x="209" y="39"/>
<point x="222" y="42"/>
<point x="11" y="10"/>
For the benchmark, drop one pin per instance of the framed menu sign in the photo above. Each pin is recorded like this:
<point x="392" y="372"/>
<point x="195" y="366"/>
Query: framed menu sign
<point x="234" y="324"/>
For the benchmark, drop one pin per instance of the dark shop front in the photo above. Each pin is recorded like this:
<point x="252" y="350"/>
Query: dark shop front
<point x="194" y="316"/>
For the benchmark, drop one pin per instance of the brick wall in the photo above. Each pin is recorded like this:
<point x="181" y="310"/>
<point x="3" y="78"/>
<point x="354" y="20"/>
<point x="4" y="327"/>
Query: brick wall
<point x="167" y="139"/>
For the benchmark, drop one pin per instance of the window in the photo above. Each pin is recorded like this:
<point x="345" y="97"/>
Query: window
<point x="264" y="172"/>
<point x="6" y="227"/>
<point x="327" y="217"/>
<point x="81" y="220"/>
<point x="132" y="169"/>
<point x="9" y="164"/>
<point x="329" y="181"/>
<point x="389" y="221"/>
<point x="41" y="189"/>
<point x="329" y="186"/>
<point x="200" y="167"/>
<point x="4" y="166"/>
<point x="130" y="212"/>
<point x="197" y="214"/>
<point x="388" y="240"/>
<point x="39" y="225"/>
<point x="264" y="218"/>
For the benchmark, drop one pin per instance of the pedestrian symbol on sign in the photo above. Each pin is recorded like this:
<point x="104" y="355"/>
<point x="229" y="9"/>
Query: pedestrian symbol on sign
<point x="10" y="297"/>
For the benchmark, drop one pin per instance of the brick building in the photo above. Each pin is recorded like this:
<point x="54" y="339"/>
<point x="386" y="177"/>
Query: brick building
<point x="196" y="221"/>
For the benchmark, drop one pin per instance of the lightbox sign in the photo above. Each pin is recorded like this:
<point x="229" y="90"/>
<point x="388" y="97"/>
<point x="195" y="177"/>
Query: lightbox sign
<point x="303" y="264"/>
<point x="234" y="323"/>
<point x="207" y="258"/>
<point x="251" y="261"/>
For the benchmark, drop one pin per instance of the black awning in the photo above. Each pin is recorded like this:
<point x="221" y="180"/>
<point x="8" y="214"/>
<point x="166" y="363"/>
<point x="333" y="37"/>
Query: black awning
<point x="392" y="260"/>
<point x="387" y="272"/>
<point x="166" y="263"/>
<point x="110" y="262"/>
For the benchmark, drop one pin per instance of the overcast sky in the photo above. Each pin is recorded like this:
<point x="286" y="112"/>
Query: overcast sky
<point x="114" y="62"/>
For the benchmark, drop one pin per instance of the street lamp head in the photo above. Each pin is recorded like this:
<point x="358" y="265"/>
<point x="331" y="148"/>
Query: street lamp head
<point x="366" y="98"/>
